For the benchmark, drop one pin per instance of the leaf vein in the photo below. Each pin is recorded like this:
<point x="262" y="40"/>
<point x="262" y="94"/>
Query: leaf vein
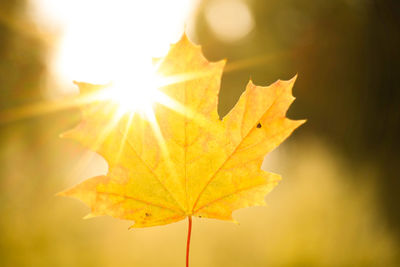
<point x="152" y="172"/>
<point x="233" y="152"/>
<point x="139" y="200"/>
<point x="228" y="195"/>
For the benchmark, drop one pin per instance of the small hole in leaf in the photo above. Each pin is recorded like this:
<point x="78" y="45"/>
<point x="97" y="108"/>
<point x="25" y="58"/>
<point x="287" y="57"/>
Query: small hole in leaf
<point x="259" y="125"/>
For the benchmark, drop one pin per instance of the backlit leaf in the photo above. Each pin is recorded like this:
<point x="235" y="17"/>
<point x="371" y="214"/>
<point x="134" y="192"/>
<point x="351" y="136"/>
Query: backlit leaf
<point x="183" y="160"/>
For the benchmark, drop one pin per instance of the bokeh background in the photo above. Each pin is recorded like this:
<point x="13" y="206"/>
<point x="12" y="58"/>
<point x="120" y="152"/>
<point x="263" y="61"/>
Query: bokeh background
<point x="338" y="204"/>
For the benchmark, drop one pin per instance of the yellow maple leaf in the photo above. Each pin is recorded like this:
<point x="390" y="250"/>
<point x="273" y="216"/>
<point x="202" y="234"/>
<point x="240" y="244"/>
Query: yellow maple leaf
<point x="183" y="161"/>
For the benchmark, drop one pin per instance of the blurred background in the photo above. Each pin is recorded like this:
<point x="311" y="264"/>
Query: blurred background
<point x="338" y="202"/>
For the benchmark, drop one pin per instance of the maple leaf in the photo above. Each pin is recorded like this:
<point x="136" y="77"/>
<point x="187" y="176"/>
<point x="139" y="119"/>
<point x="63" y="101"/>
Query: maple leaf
<point x="185" y="162"/>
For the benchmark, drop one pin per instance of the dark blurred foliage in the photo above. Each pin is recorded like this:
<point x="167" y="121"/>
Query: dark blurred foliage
<point x="21" y="53"/>
<point x="347" y="56"/>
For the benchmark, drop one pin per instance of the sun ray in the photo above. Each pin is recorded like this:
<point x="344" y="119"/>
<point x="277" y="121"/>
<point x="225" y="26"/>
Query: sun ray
<point x="124" y="136"/>
<point x="255" y="61"/>
<point x="123" y="93"/>
<point x="171" y="103"/>
<point x="150" y="116"/>
<point x="106" y="131"/>
<point x="45" y="107"/>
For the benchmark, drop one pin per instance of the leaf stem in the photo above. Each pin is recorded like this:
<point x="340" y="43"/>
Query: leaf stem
<point x="188" y="240"/>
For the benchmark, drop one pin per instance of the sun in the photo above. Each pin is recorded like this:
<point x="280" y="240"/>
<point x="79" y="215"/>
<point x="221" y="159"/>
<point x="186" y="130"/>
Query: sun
<point x="115" y="46"/>
<point x="137" y="93"/>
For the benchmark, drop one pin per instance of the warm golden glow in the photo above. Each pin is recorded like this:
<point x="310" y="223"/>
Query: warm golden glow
<point x="115" y="41"/>
<point x="115" y="46"/>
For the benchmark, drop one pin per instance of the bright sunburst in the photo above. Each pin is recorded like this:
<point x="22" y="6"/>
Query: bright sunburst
<point x="136" y="94"/>
<point x="115" y="46"/>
